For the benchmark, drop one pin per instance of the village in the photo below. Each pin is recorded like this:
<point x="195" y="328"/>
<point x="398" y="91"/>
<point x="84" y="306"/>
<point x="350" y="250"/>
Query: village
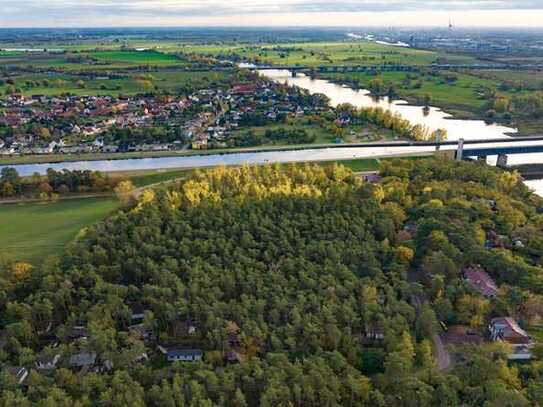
<point x="88" y="124"/>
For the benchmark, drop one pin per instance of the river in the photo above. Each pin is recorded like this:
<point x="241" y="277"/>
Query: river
<point x="434" y="119"/>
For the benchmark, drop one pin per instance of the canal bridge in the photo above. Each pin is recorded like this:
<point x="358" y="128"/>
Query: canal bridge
<point x="294" y="69"/>
<point x="513" y="146"/>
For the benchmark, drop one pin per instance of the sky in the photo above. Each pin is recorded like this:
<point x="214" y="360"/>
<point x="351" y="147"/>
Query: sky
<point x="236" y="13"/>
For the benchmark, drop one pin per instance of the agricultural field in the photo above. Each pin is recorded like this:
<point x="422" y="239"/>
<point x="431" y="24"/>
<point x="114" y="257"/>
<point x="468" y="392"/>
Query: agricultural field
<point x="31" y="232"/>
<point x="129" y="84"/>
<point x="93" y="60"/>
<point x="135" y="58"/>
<point x="333" y="53"/>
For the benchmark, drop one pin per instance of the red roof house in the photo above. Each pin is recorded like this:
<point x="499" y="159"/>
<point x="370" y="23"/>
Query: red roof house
<point x="480" y="281"/>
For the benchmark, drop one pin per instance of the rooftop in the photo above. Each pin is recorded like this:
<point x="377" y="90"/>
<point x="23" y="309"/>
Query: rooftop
<point x="480" y="281"/>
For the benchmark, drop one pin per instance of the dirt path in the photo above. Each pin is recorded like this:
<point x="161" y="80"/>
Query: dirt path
<point x="441" y="354"/>
<point x="443" y="357"/>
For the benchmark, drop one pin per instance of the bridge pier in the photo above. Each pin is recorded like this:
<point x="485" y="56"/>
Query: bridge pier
<point x="481" y="158"/>
<point x="294" y="73"/>
<point x="460" y="150"/>
<point x="502" y="161"/>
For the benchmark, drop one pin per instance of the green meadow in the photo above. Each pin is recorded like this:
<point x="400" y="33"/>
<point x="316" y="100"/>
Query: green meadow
<point x="129" y="84"/>
<point x="325" y="53"/>
<point x="31" y="232"/>
<point x="134" y="57"/>
<point x="464" y="94"/>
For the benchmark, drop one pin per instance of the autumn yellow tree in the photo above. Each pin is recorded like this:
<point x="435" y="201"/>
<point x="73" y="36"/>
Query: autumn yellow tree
<point x="124" y="191"/>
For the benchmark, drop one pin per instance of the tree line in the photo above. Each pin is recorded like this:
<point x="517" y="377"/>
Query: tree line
<point x="54" y="183"/>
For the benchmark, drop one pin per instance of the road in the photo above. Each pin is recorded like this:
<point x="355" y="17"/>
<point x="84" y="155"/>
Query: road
<point x="441" y="354"/>
<point x="443" y="357"/>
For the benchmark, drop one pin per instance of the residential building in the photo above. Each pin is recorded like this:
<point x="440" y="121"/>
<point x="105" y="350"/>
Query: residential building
<point x="18" y="373"/>
<point x="507" y="329"/>
<point x="185" y="355"/>
<point x="480" y="281"/>
<point x="47" y="362"/>
<point x="83" y="359"/>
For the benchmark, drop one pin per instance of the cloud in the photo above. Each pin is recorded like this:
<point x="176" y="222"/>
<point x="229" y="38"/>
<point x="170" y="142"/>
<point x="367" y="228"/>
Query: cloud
<point x="70" y="12"/>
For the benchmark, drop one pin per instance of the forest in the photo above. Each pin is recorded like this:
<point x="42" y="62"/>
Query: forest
<point x="301" y="285"/>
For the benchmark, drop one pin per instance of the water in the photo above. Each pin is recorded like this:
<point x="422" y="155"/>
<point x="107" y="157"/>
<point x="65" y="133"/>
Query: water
<point x="434" y="119"/>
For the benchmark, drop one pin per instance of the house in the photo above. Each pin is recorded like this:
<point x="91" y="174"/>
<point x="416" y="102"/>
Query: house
<point x="182" y="329"/>
<point x="185" y="355"/>
<point x="18" y="373"/>
<point x="373" y="177"/>
<point x="507" y="330"/>
<point x="47" y="362"/>
<point x="110" y="148"/>
<point x="494" y="240"/>
<point x="137" y="314"/>
<point x="83" y="359"/>
<point x="141" y="358"/>
<point x="480" y="281"/>
<point x="243" y="89"/>
<point x="77" y="333"/>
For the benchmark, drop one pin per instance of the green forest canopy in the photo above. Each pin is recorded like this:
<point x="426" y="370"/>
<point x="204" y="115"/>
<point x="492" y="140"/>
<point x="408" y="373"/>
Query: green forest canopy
<point x="305" y="273"/>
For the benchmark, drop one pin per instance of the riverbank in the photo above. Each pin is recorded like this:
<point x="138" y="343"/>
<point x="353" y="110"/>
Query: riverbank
<point x="447" y="103"/>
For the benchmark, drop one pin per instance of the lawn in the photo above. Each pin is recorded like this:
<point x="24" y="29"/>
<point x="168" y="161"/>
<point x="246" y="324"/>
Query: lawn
<point x="31" y="232"/>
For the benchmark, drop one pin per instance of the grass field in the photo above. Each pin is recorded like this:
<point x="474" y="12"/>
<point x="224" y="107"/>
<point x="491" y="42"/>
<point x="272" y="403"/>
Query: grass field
<point x="353" y="134"/>
<point x="95" y="60"/>
<point x="31" y="232"/>
<point x="156" y="176"/>
<point x="135" y="57"/>
<point x="463" y="95"/>
<point x="325" y="53"/>
<point x="129" y="85"/>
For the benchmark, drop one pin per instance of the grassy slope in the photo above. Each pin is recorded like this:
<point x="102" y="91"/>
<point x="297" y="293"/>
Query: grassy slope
<point x="31" y="232"/>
